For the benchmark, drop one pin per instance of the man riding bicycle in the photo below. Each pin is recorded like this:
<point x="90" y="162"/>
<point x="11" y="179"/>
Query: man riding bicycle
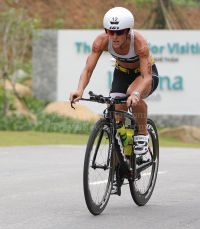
<point x="135" y="71"/>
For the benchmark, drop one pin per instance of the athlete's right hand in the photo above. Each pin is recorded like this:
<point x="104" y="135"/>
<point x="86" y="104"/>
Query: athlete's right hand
<point x="77" y="94"/>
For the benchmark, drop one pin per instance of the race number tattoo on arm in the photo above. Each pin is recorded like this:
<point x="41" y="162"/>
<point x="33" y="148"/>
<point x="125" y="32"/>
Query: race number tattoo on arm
<point x="142" y="51"/>
<point x="96" y="47"/>
<point x="149" y="67"/>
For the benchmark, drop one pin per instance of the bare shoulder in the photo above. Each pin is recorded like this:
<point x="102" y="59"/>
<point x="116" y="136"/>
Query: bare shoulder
<point x="140" y="42"/>
<point x="100" y="43"/>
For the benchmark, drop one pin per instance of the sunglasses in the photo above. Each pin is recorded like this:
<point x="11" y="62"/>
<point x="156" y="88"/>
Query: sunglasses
<point x="118" y="32"/>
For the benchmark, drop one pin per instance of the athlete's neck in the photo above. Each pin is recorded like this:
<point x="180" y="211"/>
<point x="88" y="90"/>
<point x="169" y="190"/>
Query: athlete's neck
<point x="125" y="43"/>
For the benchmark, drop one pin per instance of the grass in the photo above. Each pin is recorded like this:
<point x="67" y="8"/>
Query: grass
<point x="172" y="142"/>
<point x="17" y="138"/>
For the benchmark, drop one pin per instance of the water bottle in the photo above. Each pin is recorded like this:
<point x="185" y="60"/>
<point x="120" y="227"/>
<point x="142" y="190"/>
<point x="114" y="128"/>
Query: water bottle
<point x="128" y="148"/>
<point x="122" y="132"/>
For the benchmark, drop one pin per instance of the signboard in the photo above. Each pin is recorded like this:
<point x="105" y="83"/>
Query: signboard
<point x="176" y="54"/>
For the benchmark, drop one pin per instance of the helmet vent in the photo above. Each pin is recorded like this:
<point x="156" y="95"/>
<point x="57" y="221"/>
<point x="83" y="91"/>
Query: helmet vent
<point x="114" y="23"/>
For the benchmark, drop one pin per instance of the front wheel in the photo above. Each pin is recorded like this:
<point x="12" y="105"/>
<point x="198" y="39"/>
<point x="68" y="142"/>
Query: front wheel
<point x="142" y="187"/>
<point x="99" y="168"/>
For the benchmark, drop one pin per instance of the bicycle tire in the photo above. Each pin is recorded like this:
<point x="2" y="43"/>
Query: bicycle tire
<point x="97" y="204"/>
<point x="141" y="195"/>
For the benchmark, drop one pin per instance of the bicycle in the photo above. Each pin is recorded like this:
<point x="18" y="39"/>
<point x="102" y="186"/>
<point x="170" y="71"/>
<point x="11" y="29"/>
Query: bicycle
<point x="104" y="145"/>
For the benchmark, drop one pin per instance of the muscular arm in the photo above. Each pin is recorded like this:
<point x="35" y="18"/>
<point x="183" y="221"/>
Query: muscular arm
<point x="87" y="71"/>
<point x="142" y="50"/>
<point x="99" y="45"/>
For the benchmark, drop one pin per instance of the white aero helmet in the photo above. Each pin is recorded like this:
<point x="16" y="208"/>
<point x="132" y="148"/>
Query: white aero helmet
<point x="118" y="18"/>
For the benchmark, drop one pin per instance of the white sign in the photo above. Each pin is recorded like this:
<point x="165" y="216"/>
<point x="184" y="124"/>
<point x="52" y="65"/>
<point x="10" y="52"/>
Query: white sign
<point x="177" y="57"/>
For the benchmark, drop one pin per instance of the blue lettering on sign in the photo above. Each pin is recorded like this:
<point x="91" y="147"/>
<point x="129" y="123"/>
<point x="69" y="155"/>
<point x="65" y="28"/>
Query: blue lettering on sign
<point x="78" y="45"/>
<point x="83" y="46"/>
<point x="187" y="48"/>
<point x="176" y="84"/>
<point x="165" y="79"/>
<point x="87" y="48"/>
<point x="171" y="48"/>
<point x="155" y="49"/>
<point x="109" y="79"/>
<point x="165" y="82"/>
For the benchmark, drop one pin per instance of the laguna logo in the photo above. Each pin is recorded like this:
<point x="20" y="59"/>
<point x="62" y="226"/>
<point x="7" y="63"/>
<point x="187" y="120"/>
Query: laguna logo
<point x="114" y="27"/>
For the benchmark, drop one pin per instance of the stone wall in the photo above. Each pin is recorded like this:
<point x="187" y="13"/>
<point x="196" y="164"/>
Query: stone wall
<point x="175" y="120"/>
<point x="45" y="65"/>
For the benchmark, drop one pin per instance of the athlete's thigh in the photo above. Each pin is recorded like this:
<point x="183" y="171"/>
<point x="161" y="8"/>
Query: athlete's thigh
<point x="134" y="85"/>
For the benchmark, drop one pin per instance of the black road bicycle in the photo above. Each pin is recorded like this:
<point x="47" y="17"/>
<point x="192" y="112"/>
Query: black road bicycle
<point x="104" y="145"/>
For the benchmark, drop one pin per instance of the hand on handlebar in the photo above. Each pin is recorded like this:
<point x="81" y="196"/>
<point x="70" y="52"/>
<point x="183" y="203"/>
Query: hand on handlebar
<point x="75" y="96"/>
<point x="132" y="100"/>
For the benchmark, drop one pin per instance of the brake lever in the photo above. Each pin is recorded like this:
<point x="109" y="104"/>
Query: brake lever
<point x="74" y="97"/>
<point x="130" y="108"/>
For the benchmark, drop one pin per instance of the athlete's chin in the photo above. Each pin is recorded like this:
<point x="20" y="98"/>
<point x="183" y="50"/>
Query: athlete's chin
<point x="116" y="44"/>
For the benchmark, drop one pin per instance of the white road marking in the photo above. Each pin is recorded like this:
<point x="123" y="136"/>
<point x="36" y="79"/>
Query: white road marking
<point x="146" y="174"/>
<point x="99" y="182"/>
<point x="105" y="181"/>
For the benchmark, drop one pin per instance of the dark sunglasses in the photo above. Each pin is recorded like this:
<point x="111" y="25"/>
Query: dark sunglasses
<point x="118" y="32"/>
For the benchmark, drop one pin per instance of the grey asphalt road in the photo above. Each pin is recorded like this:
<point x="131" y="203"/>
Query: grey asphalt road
<point x="41" y="187"/>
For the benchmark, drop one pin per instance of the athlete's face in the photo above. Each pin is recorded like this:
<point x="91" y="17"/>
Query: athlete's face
<point x="117" y="38"/>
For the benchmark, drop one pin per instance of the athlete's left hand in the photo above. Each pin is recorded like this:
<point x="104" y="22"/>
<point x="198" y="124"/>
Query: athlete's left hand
<point x="132" y="100"/>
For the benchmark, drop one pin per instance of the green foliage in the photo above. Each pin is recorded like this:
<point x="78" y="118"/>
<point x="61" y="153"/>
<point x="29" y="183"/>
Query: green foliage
<point x="36" y="106"/>
<point x="140" y="3"/>
<point x="45" y="122"/>
<point x="143" y="3"/>
<point x="189" y="3"/>
<point x="59" y="23"/>
<point x="1" y="100"/>
<point x="26" y="67"/>
<point x="91" y="26"/>
<point x="16" y="123"/>
<point x="16" y="32"/>
<point x="21" y="80"/>
<point x="55" y="123"/>
<point x="10" y="100"/>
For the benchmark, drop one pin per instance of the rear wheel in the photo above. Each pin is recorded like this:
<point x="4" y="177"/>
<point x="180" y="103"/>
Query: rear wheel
<point x="142" y="187"/>
<point x="99" y="168"/>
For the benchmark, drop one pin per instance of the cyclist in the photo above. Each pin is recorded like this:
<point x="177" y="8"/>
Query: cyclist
<point x="135" y="71"/>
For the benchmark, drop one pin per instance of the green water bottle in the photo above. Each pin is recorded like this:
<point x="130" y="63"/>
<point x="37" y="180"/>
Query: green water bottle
<point x="129" y="147"/>
<point x="122" y="132"/>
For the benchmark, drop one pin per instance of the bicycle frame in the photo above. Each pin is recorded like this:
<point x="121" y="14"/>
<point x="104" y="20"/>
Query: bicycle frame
<point x="129" y="169"/>
<point x="115" y="142"/>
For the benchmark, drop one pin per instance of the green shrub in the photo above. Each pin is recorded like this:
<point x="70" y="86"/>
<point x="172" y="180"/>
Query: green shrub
<point x="36" y="106"/>
<point x="59" y="23"/>
<point x="9" y="99"/>
<point x="55" y="123"/>
<point x="16" y="123"/>
<point x="45" y="122"/>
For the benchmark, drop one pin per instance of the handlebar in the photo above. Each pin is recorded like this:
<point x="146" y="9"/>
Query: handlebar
<point x="103" y="99"/>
